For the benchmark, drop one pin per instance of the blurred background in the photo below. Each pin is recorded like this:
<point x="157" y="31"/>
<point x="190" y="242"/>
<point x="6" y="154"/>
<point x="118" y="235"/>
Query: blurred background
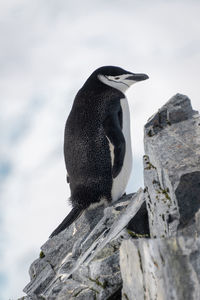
<point x="48" y="49"/>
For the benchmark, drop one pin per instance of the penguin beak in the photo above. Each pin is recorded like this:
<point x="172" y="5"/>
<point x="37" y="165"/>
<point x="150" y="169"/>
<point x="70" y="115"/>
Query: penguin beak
<point x="137" y="77"/>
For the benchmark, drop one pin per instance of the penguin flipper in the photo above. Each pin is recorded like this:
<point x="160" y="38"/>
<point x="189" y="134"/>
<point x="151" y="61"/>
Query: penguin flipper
<point x="115" y="135"/>
<point x="68" y="220"/>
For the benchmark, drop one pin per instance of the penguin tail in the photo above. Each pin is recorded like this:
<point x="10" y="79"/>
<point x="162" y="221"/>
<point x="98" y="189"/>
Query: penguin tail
<point x="74" y="214"/>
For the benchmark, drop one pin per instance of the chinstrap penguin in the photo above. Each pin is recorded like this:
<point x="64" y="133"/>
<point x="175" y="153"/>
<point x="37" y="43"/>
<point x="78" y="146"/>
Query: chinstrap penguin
<point x="97" y="142"/>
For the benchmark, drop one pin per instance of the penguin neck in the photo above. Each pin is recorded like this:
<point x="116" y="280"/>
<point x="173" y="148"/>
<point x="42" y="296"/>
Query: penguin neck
<point x="94" y="84"/>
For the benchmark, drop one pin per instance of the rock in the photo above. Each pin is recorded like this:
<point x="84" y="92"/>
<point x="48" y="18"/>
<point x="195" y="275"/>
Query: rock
<point x="161" y="269"/>
<point x="139" y="225"/>
<point x="172" y="167"/>
<point x="167" y="266"/>
<point x="82" y="262"/>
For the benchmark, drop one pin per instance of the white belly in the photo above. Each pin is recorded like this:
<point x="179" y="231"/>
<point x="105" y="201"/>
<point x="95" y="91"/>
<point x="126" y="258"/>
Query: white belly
<point x="121" y="181"/>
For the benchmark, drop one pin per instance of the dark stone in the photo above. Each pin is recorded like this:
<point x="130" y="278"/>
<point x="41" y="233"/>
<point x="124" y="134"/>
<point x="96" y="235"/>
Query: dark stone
<point x="188" y="197"/>
<point x="140" y="223"/>
<point x="117" y="295"/>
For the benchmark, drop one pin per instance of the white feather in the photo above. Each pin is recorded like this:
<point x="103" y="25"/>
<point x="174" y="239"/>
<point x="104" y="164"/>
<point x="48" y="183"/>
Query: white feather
<point x="121" y="181"/>
<point x="120" y="82"/>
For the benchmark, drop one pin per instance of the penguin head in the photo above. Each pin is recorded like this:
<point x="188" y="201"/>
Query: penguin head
<point x="118" y="78"/>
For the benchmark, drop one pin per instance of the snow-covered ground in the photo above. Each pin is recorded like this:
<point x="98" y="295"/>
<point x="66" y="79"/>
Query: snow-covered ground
<point x="48" y="49"/>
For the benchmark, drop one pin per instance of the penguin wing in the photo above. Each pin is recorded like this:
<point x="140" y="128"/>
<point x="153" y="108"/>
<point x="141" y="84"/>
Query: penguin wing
<point x="115" y="135"/>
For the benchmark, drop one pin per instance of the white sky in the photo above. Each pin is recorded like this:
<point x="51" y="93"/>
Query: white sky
<point x="48" y="49"/>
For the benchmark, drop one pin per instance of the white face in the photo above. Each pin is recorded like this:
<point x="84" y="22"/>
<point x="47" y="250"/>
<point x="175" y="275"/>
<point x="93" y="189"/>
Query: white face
<point x="119" y="82"/>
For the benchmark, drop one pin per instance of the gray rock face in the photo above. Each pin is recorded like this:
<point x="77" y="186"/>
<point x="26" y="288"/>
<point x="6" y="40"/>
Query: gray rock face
<point x="161" y="269"/>
<point x="167" y="266"/>
<point x="172" y="167"/>
<point x="84" y="261"/>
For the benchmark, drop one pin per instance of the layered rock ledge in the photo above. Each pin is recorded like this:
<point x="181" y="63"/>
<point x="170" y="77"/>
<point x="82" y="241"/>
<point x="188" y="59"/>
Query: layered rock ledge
<point x="145" y="245"/>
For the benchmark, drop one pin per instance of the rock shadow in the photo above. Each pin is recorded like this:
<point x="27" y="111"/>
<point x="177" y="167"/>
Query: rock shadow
<point x="188" y="197"/>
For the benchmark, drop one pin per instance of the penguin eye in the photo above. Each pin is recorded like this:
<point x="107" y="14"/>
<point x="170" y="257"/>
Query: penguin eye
<point x="117" y="78"/>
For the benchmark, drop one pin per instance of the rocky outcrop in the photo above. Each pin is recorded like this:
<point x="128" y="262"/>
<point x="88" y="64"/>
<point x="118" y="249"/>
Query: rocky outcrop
<point x="167" y="266"/>
<point x="82" y="262"/>
<point x="145" y="245"/>
<point x="172" y="167"/>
